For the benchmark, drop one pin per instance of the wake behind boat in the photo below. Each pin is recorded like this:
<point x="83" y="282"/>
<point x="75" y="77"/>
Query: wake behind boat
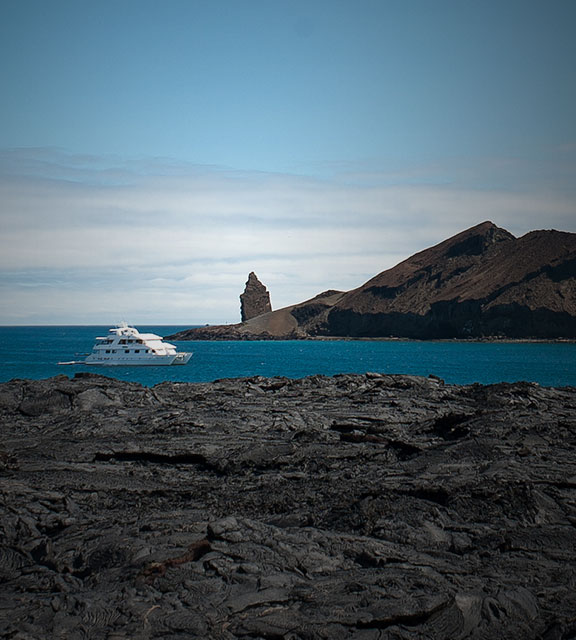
<point x="126" y="346"/>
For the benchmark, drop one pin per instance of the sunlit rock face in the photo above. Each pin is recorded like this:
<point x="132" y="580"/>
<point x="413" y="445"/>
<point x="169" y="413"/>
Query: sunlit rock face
<point x="255" y="300"/>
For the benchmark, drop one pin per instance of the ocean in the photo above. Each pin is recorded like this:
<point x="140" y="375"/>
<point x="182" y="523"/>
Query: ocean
<point x="34" y="352"/>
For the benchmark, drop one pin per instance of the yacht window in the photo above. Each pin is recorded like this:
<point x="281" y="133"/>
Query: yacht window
<point x="122" y="341"/>
<point x="107" y="350"/>
<point x="127" y="351"/>
<point x="136" y="350"/>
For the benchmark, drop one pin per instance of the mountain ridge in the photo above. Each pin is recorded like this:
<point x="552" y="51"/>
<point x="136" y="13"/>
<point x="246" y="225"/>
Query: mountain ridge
<point x="480" y="282"/>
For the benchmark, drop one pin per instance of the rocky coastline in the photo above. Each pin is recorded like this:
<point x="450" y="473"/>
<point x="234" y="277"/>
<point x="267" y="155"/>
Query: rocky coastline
<point x="234" y="333"/>
<point x="355" y="506"/>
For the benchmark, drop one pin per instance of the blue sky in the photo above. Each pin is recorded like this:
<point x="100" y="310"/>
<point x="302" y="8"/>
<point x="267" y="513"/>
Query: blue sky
<point x="152" y="152"/>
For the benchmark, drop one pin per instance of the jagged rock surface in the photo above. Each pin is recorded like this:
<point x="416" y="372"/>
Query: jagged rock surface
<point x="371" y="507"/>
<point x="255" y="300"/>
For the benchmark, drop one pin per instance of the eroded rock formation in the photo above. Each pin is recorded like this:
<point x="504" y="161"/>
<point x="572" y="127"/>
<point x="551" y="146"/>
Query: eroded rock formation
<point x="255" y="300"/>
<point x="359" y="506"/>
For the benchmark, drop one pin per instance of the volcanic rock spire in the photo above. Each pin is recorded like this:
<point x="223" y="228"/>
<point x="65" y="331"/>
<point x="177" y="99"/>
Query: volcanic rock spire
<point x="255" y="300"/>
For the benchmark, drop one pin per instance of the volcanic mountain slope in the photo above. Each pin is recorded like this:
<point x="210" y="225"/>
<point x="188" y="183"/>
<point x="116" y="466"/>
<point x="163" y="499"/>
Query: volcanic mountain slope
<point x="481" y="282"/>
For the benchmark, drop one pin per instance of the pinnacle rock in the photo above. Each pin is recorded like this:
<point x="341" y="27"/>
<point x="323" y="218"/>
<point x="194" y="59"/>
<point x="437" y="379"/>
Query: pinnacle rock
<point x="255" y="300"/>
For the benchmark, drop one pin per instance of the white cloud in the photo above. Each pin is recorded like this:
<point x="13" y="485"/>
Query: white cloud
<point x="83" y="239"/>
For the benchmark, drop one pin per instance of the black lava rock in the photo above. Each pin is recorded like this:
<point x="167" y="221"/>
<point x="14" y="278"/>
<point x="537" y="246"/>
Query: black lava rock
<point x="370" y="507"/>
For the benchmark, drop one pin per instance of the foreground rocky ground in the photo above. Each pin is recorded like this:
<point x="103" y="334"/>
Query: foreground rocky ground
<point x="366" y="507"/>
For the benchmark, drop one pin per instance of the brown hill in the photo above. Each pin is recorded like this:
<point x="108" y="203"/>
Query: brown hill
<point x="481" y="282"/>
<point x="296" y="322"/>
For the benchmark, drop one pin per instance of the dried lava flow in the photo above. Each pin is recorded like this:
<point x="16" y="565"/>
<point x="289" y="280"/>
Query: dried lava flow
<point x="357" y="506"/>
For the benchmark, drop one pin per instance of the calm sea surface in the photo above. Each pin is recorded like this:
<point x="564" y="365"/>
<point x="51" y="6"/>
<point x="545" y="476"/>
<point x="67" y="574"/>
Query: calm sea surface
<point x="33" y="352"/>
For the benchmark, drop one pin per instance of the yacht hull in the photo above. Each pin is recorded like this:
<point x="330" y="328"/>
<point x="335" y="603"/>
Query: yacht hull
<point x="179" y="359"/>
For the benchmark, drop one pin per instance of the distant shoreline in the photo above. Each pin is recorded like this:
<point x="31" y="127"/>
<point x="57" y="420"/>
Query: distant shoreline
<point x="246" y="337"/>
<point x="483" y="340"/>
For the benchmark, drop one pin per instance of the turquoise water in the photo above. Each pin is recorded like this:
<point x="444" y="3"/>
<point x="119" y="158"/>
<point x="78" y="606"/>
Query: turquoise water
<point x="33" y="352"/>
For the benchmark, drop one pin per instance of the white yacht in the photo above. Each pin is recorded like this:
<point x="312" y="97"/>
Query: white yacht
<point x="125" y="345"/>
